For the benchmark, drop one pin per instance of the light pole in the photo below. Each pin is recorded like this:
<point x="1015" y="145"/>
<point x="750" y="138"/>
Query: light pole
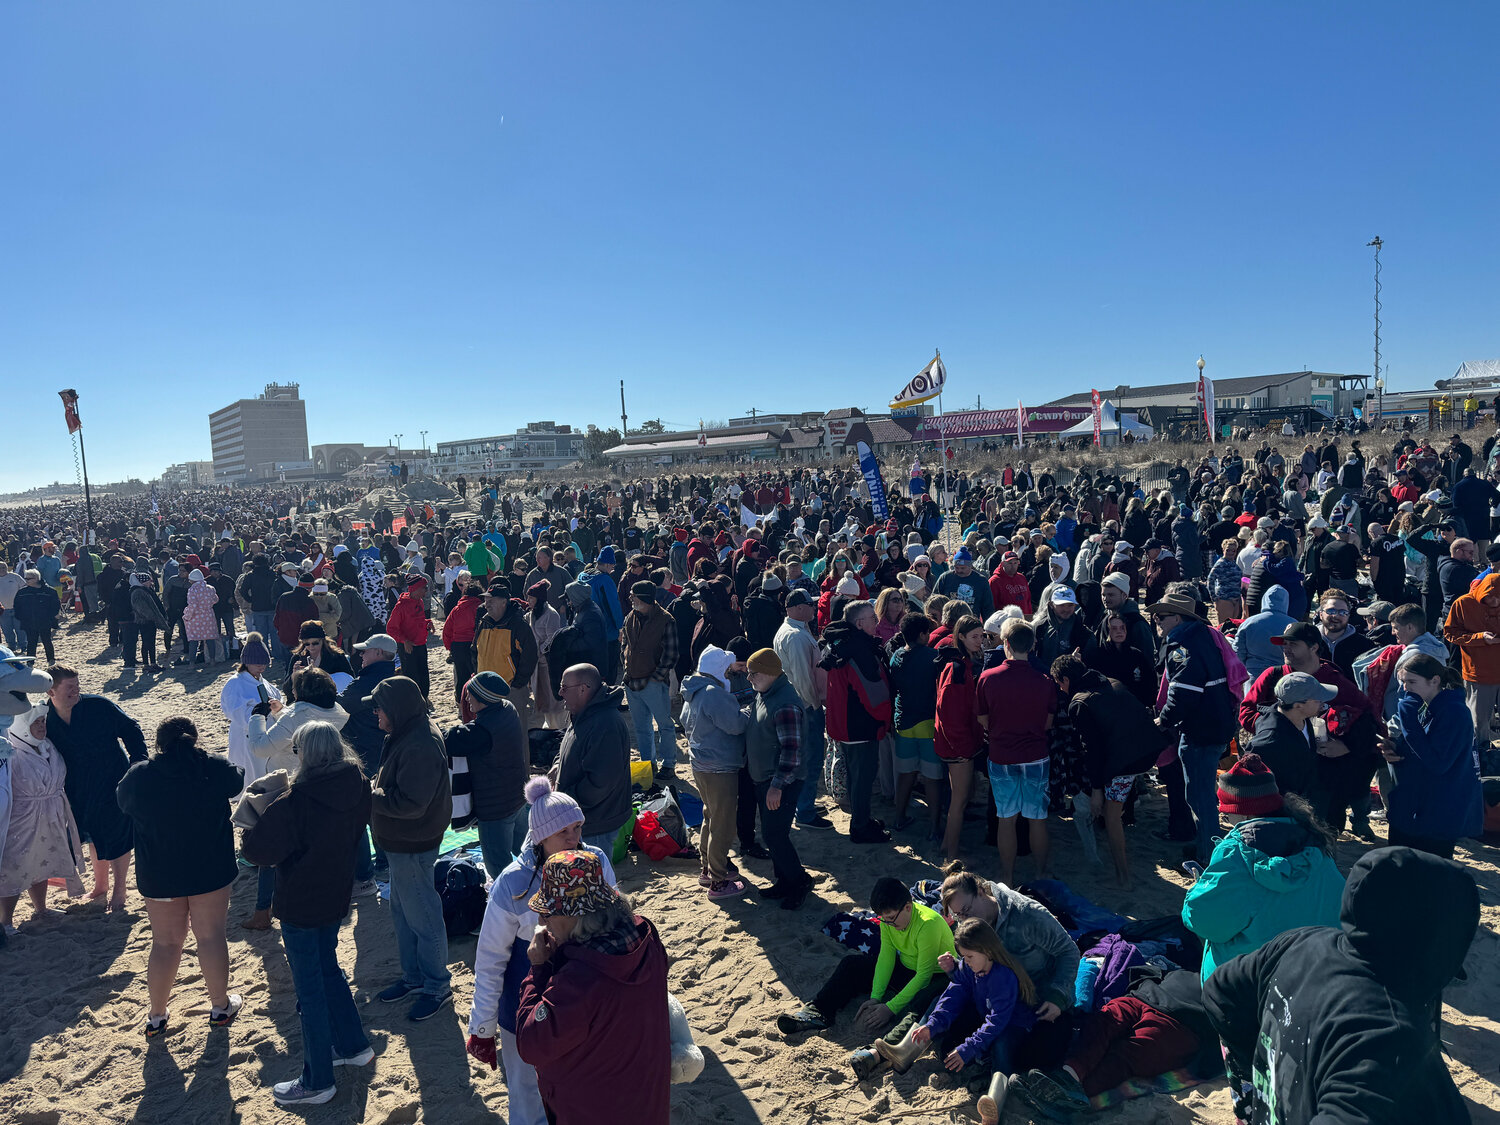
<point x="1379" y="401"/>
<point x="1379" y="382"/>
<point x="424" y="443"/>
<point x="398" y="444"/>
<point x="1204" y="391"/>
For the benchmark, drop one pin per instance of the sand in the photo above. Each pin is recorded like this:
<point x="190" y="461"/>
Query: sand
<point x="74" y="992"/>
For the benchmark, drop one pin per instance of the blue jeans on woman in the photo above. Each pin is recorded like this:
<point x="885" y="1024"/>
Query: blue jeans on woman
<point x="500" y="840"/>
<point x="330" y="1020"/>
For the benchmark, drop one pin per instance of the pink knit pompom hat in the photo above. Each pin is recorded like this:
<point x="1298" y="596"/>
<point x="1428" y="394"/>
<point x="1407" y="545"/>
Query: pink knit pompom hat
<point x="551" y="811"/>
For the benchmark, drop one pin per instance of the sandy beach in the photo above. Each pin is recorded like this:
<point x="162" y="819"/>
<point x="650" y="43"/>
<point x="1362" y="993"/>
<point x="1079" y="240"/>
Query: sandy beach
<point x="74" y="991"/>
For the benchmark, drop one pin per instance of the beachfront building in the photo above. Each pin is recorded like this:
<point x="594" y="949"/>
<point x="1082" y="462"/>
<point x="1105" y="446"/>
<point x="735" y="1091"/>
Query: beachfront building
<point x="761" y="442"/>
<point x="1172" y="404"/>
<point x="254" y="434"/>
<point x="189" y="474"/>
<point x="540" y="445"/>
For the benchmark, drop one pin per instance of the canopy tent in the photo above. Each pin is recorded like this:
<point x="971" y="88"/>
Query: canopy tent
<point x="1109" y="430"/>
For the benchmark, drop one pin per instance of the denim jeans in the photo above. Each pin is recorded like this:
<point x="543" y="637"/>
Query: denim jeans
<point x="525" y="1100"/>
<point x="265" y="890"/>
<point x="1200" y="766"/>
<point x="262" y="623"/>
<point x="862" y="759"/>
<point x="417" y="914"/>
<point x="653" y="702"/>
<point x="814" y="753"/>
<point x="776" y="829"/>
<point x="500" y="840"/>
<point x="605" y="842"/>
<point x="15" y="636"/>
<point x="330" y="1020"/>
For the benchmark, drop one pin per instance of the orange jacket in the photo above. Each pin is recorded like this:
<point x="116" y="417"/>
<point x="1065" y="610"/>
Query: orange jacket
<point x="1468" y="621"/>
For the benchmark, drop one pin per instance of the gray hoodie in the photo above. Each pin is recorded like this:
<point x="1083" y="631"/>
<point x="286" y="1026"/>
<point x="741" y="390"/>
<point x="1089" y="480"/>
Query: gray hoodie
<point x="714" y="723"/>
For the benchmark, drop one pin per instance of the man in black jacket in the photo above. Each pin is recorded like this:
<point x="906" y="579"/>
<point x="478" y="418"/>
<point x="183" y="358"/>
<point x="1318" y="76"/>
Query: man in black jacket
<point x="493" y="747"/>
<point x="1341" y="1026"/>
<point x="377" y="658"/>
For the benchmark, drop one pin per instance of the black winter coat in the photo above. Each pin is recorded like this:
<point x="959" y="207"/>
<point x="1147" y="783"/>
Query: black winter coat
<point x="178" y="804"/>
<point x="312" y="835"/>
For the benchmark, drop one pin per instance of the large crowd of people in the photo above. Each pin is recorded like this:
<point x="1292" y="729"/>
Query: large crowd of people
<point x="1291" y="645"/>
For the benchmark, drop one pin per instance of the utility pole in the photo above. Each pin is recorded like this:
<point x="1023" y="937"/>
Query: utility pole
<point x="623" y="428"/>
<point x="1379" y="382"/>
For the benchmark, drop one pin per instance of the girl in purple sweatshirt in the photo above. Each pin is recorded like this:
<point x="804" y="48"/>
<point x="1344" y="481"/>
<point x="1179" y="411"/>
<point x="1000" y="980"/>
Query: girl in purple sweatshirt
<point x="987" y="988"/>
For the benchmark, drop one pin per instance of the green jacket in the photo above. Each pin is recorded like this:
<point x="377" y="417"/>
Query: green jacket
<point x="1266" y="877"/>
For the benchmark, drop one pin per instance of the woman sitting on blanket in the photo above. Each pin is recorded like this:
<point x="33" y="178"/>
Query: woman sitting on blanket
<point x="1037" y="942"/>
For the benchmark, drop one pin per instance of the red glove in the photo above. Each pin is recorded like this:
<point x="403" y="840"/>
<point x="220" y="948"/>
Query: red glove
<point x="483" y="1050"/>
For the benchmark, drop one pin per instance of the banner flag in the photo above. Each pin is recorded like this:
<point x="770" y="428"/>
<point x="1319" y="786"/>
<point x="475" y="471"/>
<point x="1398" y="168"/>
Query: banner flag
<point x="1020" y="423"/>
<point x="70" y="410"/>
<point x="871" y="471"/>
<point x="1098" y="421"/>
<point x="926" y="384"/>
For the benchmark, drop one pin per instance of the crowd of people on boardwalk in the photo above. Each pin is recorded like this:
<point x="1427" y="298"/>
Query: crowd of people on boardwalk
<point x="1272" y="636"/>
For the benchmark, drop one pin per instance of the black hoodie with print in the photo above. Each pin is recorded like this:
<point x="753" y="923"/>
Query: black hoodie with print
<point x="1338" y="1027"/>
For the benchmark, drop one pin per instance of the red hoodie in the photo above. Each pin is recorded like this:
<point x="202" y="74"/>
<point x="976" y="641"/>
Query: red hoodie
<point x="408" y="623"/>
<point x="1010" y="589"/>
<point x="595" y="1026"/>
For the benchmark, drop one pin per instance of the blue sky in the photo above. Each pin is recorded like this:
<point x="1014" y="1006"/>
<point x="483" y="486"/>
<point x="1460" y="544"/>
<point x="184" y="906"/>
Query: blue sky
<point x="464" y="216"/>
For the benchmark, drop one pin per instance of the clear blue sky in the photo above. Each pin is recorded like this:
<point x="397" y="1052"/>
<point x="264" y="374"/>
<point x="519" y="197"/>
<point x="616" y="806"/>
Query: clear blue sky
<point x="467" y="215"/>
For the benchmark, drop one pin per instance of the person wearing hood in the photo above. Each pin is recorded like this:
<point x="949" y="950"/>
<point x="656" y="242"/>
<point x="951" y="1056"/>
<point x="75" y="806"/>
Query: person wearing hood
<point x="1437" y="798"/>
<point x="313" y="837"/>
<point x="200" y="627"/>
<point x="1058" y="568"/>
<point x="1342" y="1025"/>
<point x="345" y="565"/>
<point x="245" y="690"/>
<point x="1254" y="639"/>
<point x="605" y="592"/>
<point x="1272" y="872"/>
<point x="410" y="627"/>
<point x="1188" y="544"/>
<point x="146" y="615"/>
<point x="500" y="961"/>
<point x="38" y="836"/>
<point x="411" y="805"/>
<point x="593" y="762"/>
<point x="593" y="1010"/>
<point x="1120" y="739"/>
<point x="715" y="728"/>
<point x="860" y="709"/>
<point x="494" y="747"/>
<point x="330" y="609"/>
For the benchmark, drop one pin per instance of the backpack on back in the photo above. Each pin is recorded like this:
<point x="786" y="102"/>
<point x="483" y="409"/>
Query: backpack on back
<point x="460" y="884"/>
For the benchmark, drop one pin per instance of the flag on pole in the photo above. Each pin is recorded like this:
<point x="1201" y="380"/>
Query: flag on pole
<point x="70" y="410"/>
<point x="1098" y="421"/>
<point x="1206" y="403"/>
<point x="1020" y="424"/>
<point x="871" y="472"/>
<point x="926" y="384"/>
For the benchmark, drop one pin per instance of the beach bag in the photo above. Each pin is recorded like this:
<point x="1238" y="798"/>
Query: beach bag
<point x="460" y="884"/>
<point x="543" y="746"/>
<point x="624" y="838"/>
<point x="663" y="805"/>
<point x="642" y="775"/>
<point x="652" y="838"/>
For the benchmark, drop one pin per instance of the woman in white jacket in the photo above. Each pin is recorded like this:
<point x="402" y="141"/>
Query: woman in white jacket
<point x="244" y="690"/>
<point x="500" y="962"/>
<point x="270" y="739"/>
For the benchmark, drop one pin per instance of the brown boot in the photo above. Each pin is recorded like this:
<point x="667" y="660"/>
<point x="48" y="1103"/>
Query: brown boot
<point x="900" y="1055"/>
<point x="260" y="920"/>
<point x="992" y="1103"/>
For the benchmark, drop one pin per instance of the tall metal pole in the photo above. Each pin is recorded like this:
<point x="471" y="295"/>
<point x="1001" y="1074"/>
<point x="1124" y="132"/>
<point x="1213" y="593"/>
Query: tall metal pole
<point x="623" y="429"/>
<point x="88" y="504"/>
<point x="1379" y="382"/>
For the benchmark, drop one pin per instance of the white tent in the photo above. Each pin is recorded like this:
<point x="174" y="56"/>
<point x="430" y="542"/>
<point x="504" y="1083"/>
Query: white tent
<point x="1109" y="429"/>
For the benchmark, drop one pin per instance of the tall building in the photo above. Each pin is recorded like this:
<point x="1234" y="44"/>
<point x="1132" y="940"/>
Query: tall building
<point x="254" y="437"/>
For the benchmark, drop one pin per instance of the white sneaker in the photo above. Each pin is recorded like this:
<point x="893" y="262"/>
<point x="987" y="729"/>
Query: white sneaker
<point x="293" y="1093"/>
<point x="364" y="887"/>
<point x="364" y="1058"/>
